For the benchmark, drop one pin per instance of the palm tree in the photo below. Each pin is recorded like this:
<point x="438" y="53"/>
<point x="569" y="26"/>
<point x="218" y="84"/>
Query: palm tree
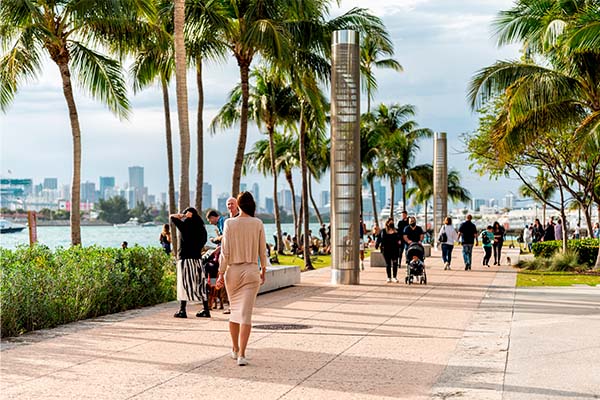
<point x="422" y="192"/>
<point x="370" y="137"/>
<point x="182" y="103"/>
<point x="154" y="62"/>
<point x="204" y="22"/>
<point x="400" y="138"/>
<point x="71" y="34"/>
<point x="271" y="103"/>
<point x="372" y="48"/>
<point x="254" y="27"/>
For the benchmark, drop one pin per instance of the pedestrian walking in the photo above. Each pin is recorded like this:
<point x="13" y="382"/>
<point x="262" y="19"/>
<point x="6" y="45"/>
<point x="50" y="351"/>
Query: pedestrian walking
<point x="498" y="231"/>
<point x="487" y="238"/>
<point x="447" y="236"/>
<point x="468" y="232"/>
<point x="243" y="245"/>
<point x="402" y="224"/>
<point x="528" y="237"/>
<point x="389" y="241"/>
<point x="191" y="277"/>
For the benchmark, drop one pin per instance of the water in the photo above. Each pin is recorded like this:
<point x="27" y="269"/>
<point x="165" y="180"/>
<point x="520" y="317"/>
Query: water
<point x="109" y="236"/>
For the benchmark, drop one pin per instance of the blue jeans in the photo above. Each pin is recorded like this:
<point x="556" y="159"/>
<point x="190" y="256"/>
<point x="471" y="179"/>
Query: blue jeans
<point x="447" y="252"/>
<point x="467" y="254"/>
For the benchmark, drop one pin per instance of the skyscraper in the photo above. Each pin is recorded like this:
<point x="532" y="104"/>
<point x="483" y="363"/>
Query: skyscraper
<point x="51" y="183"/>
<point x="256" y="193"/>
<point x="206" y="195"/>
<point x="88" y="192"/>
<point x="136" y="177"/>
<point x="106" y="183"/>
<point x="222" y="203"/>
<point x="269" y="205"/>
<point x="324" y="198"/>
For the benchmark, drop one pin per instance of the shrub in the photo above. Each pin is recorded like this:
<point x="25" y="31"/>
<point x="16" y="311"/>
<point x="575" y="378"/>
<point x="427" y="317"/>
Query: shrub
<point x="40" y="288"/>
<point x="587" y="249"/>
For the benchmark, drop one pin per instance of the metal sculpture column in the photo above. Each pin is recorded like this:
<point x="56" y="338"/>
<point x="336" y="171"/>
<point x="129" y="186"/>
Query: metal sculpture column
<point x="440" y="182"/>
<point x="345" y="157"/>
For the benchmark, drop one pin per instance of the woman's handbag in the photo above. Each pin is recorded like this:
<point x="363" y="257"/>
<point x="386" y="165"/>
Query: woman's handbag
<point x="443" y="237"/>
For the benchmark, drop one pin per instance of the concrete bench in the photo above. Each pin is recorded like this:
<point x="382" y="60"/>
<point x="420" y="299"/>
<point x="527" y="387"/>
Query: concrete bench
<point x="280" y="276"/>
<point x="377" y="259"/>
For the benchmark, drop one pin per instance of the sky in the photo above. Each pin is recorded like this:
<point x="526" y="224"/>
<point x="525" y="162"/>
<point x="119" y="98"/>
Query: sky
<point x="441" y="44"/>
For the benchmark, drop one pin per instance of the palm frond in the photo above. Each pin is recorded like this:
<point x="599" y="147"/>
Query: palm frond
<point x="21" y="63"/>
<point x="101" y="77"/>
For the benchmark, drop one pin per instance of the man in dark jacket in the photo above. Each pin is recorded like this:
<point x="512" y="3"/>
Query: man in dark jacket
<point x="402" y="224"/>
<point x="468" y="232"/>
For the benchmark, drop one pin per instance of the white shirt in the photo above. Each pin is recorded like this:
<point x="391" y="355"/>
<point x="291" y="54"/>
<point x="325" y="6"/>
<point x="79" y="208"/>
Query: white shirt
<point x="451" y="234"/>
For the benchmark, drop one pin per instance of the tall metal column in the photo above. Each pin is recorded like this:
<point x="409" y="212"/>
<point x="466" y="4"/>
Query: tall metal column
<point x="440" y="182"/>
<point x="345" y="157"/>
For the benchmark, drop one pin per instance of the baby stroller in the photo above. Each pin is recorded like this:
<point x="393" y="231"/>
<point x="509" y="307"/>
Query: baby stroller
<point x="415" y="267"/>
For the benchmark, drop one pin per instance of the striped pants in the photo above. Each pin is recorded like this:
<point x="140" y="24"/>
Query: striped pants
<point x="191" y="280"/>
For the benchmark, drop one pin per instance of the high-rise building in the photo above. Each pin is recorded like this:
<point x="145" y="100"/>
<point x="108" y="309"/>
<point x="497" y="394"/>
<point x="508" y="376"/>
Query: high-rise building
<point x="136" y="177"/>
<point x="256" y="193"/>
<point x="164" y="198"/>
<point x="380" y="194"/>
<point x="206" y="195"/>
<point x="106" y="182"/>
<point x="222" y="203"/>
<point x="324" y="198"/>
<point x="509" y="200"/>
<point x="285" y="199"/>
<point x="51" y="183"/>
<point x="88" y="192"/>
<point x="478" y="203"/>
<point x="269" y="205"/>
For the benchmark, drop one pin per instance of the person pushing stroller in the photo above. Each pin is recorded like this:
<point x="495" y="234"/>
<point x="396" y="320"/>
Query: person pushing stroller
<point x="415" y="253"/>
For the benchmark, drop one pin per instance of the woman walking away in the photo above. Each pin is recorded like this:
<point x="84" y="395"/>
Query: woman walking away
<point x="389" y="241"/>
<point x="191" y="279"/>
<point x="165" y="238"/>
<point x="498" y="231"/>
<point x="447" y="237"/>
<point x="243" y="245"/>
<point x="487" y="237"/>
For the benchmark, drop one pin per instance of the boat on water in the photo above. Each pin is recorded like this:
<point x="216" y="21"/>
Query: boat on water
<point x="9" y="227"/>
<point x="132" y="223"/>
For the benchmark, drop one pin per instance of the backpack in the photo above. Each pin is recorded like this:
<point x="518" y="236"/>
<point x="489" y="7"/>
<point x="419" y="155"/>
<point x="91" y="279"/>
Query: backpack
<point x="484" y="238"/>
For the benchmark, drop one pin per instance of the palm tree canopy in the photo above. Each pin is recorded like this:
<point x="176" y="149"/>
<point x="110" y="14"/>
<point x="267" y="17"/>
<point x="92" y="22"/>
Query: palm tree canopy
<point x="70" y="32"/>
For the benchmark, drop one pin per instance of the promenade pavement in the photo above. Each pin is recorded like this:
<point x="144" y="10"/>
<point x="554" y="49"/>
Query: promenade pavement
<point x="466" y="334"/>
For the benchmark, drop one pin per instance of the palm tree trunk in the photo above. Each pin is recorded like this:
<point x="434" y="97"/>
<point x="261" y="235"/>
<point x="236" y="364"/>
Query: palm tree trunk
<point x="312" y="200"/>
<point x="404" y="192"/>
<point x="200" y="135"/>
<point x="182" y="105"/>
<point x="241" y="148"/>
<point x="392" y="199"/>
<point x="280" y="247"/>
<point x="543" y="214"/>
<point x="305" y="211"/>
<point x="170" y="168"/>
<point x="288" y="177"/>
<point x="75" y="218"/>
<point x="374" y="201"/>
<point x="563" y="217"/>
<point x="426" y="217"/>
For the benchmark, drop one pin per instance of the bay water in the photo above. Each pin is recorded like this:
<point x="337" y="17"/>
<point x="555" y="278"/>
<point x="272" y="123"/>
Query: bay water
<point x="110" y="236"/>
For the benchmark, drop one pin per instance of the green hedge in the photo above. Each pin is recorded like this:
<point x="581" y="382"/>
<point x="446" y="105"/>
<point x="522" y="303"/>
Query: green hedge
<point x="41" y="288"/>
<point x="587" y="249"/>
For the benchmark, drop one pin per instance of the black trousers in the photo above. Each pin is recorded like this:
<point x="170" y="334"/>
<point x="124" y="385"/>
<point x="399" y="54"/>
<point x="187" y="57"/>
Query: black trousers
<point x="488" y="255"/>
<point x="391" y="265"/>
<point x="497" y="251"/>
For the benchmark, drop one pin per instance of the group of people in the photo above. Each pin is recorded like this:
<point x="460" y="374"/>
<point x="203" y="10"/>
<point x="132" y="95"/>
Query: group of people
<point x="394" y="240"/>
<point x="291" y="244"/>
<point x="536" y="232"/>
<point x="492" y="240"/>
<point x="242" y="264"/>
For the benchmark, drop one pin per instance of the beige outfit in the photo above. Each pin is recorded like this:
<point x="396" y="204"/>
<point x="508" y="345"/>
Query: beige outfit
<point x="243" y="244"/>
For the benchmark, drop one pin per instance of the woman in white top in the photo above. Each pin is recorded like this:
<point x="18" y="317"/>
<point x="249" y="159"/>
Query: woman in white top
<point x="447" y="237"/>
<point x="242" y="246"/>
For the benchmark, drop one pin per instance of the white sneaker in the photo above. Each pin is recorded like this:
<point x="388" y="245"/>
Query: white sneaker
<point x="446" y="266"/>
<point x="388" y="280"/>
<point x="242" y="361"/>
<point x="234" y="355"/>
<point x="395" y="280"/>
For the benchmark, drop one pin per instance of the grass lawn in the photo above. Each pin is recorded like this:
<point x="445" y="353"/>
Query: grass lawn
<point x="317" y="261"/>
<point x="536" y="278"/>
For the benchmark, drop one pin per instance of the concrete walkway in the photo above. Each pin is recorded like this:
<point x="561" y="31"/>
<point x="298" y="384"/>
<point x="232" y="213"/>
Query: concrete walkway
<point x="467" y="334"/>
